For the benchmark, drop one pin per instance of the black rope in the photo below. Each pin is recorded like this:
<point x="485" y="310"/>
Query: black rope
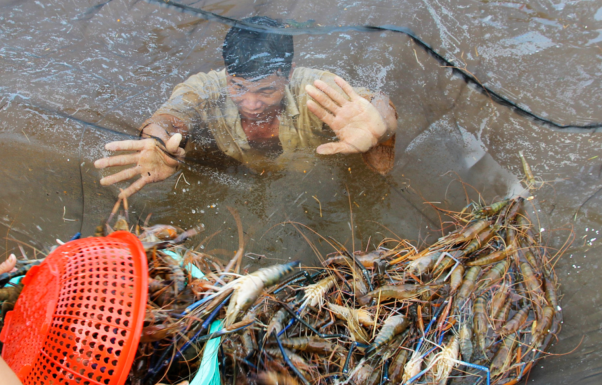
<point x="325" y="30"/>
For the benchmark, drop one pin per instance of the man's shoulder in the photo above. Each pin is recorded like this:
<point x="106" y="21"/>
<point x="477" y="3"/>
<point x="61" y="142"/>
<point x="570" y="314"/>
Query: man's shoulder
<point x="306" y="75"/>
<point x="205" y="84"/>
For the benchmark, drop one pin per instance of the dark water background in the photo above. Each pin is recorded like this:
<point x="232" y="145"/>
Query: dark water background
<point x="114" y="64"/>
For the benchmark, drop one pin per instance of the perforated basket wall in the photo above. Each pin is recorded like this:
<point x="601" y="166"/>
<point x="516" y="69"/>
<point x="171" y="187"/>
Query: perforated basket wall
<point x="80" y="315"/>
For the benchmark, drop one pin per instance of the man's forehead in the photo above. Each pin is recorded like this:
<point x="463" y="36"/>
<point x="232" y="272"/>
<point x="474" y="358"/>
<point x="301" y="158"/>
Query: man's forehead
<point x="264" y="82"/>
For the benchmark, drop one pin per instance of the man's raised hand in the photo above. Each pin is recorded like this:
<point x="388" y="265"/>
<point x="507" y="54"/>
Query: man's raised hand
<point x="356" y="122"/>
<point x="151" y="163"/>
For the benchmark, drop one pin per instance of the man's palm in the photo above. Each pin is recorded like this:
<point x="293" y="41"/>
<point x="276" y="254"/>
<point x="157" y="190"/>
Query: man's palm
<point x="356" y="122"/>
<point x="151" y="162"/>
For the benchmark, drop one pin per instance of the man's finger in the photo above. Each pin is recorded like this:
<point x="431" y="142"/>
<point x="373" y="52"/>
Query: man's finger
<point x="173" y="143"/>
<point x="121" y="176"/>
<point x="118" y="160"/>
<point x="127" y="145"/>
<point x="8" y="264"/>
<point x="134" y="187"/>
<point x="319" y="111"/>
<point x="335" y="95"/>
<point x="346" y="87"/>
<point x="322" y="99"/>
<point x="337" y="147"/>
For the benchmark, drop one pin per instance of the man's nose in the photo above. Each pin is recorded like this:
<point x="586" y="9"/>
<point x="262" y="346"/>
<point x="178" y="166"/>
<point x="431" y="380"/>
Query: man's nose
<point x="251" y="102"/>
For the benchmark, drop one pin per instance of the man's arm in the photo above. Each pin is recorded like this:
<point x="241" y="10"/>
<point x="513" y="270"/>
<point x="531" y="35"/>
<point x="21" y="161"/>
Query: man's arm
<point x="152" y="160"/>
<point x="385" y="108"/>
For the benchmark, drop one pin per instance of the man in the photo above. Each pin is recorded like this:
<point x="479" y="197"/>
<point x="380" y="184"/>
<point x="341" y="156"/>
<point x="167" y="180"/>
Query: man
<point x="7" y="375"/>
<point x="259" y="111"/>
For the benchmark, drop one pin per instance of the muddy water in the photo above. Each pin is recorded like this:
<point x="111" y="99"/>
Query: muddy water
<point x="114" y="64"/>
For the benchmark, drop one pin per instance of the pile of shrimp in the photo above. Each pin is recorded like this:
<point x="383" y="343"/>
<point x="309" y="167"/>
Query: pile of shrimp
<point x="479" y="306"/>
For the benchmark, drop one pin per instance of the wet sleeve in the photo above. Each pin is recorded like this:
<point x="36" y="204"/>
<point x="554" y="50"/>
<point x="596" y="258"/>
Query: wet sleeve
<point x="182" y="112"/>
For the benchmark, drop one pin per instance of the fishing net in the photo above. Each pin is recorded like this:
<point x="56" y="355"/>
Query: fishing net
<point x="76" y="76"/>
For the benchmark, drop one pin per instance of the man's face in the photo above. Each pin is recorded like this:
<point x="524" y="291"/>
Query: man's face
<point x="259" y="99"/>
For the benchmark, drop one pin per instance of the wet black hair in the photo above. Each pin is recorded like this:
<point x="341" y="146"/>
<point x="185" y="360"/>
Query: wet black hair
<point x="255" y="55"/>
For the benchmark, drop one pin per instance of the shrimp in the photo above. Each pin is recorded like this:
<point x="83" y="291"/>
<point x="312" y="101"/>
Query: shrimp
<point x="481" y="239"/>
<point x="444" y="361"/>
<point x="467" y="287"/>
<point x="309" y="344"/>
<point x="159" y="233"/>
<point x="393" y="326"/>
<point x="277" y="322"/>
<point x="249" y="287"/>
<point x="358" y="284"/>
<point x="492" y="209"/>
<point x="516" y="322"/>
<point x="490" y="258"/>
<point x="479" y="322"/>
<point x="502" y="316"/>
<point x="362" y="373"/>
<point x="364" y="317"/>
<point x="295" y="359"/>
<point x="10" y="294"/>
<point x="367" y="259"/>
<point x="502" y="358"/>
<point x="423" y="264"/>
<point x="471" y="232"/>
<point x="275" y="378"/>
<point x="465" y="340"/>
<point x="550" y="288"/>
<point x="157" y="332"/>
<point x="499" y="299"/>
<point x="357" y="332"/>
<point x="412" y="367"/>
<point x="314" y="294"/>
<point x="542" y="326"/>
<point x="456" y="278"/>
<point x="530" y="280"/>
<point x="496" y="273"/>
<point x="177" y="274"/>
<point x="397" y="366"/>
<point x="399" y="292"/>
<point x="529" y="178"/>
<point x="335" y="260"/>
<point x="526" y="253"/>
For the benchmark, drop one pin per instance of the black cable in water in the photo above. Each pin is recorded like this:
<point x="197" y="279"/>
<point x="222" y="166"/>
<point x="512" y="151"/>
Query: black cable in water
<point x="325" y="30"/>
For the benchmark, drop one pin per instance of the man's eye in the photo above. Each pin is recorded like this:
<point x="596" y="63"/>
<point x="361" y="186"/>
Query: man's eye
<point x="267" y="93"/>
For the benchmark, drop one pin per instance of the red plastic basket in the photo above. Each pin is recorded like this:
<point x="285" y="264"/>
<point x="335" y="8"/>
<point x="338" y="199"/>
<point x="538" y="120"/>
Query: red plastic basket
<point x="80" y="315"/>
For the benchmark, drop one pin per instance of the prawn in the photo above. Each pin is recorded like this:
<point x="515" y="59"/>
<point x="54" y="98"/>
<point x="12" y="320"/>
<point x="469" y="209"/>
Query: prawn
<point x="248" y="288"/>
<point x="516" y="322"/>
<point x="542" y="326"/>
<point x="465" y="340"/>
<point x="529" y="177"/>
<point x="443" y="362"/>
<point x="499" y="299"/>
<point x="479" y="322"/>
<point x="456" y="278"/>
<point x="393" y="326"/>
<point x="397" y="366"/>
<point x="398" y="292"/>
<point x="314" y="294"/>
<point x="496" y="273"/>
<point x="491" y="210"/>
<point x="468" y="284"/>
<point x="502" y="358"/>
<point x="309" y="344"/>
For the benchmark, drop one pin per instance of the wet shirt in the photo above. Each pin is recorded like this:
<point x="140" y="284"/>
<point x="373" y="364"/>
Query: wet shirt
<point x="202" y="108"/>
